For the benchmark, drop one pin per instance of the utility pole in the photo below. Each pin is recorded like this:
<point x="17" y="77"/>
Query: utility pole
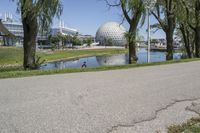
<point x="149" y="39"/>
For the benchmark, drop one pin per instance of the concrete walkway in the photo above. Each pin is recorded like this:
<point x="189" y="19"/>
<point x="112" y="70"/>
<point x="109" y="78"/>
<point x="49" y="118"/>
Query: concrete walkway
<point x="145" y="100"/>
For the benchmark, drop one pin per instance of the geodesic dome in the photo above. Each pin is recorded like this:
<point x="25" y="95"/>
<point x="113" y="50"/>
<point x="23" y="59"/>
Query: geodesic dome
<point x="112" y="33"/>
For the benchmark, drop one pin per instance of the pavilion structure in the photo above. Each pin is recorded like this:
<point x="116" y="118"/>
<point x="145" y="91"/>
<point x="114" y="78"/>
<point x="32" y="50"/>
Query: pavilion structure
<point x="5" y="33"/>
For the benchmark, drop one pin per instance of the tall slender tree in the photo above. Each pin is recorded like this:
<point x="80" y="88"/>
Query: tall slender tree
<point x="133" y="12"/>
<point x="167" y="9"/>
<point x="35" y="15"/>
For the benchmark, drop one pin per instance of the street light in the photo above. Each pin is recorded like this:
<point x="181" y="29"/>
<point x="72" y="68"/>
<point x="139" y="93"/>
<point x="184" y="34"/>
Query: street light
<point x="149" y="5"/>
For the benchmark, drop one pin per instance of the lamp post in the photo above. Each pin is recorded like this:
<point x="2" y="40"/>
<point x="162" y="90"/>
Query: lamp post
<point x="149" y="4"/>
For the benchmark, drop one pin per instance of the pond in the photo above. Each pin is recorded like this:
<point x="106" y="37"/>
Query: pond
<point x="97" y="61"/>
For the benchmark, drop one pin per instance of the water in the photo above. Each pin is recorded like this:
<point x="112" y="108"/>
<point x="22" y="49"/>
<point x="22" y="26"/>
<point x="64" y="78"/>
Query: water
<point x="97" y="61"/>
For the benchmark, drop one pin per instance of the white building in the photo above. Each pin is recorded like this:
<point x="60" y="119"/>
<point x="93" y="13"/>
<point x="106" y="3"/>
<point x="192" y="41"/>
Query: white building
<point x="16" y="28"/>
<point x="63" y="30"/>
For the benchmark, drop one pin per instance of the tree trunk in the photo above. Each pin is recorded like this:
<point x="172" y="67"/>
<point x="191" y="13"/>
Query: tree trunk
<point x="171" y="24"/>
<point x="188" y="47"/>
<point x="197" y="42"/>
<point x="186" y="36"/>
<point x="193" y="48"/>
<point x="169" y="38"/>
<point x="132" y="52"/>
<point x="197" y="29"/>
<point x="132" y="46"/>
<point x="30" y="35"/>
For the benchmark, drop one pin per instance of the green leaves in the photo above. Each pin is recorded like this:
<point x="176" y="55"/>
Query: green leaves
<point x="44" y="10"/>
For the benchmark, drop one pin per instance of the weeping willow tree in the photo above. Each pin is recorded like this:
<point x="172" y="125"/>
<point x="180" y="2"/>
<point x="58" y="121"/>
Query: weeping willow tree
<point x="36" y="15"/>
<point x="134" y="13"/>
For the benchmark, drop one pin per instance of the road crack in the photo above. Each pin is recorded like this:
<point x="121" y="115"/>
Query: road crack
<point x="191" y="109"/>
<point x="114" y="128"/>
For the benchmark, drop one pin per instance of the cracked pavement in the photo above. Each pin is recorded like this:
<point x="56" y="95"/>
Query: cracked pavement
<point x="142" y="100"/>
<point x="175" y="114"/>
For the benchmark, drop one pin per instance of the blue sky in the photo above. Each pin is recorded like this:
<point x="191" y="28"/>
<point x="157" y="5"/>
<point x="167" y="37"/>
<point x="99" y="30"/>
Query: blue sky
<point x="84" y="15"/>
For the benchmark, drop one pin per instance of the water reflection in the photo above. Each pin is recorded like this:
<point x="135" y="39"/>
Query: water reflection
<point x="97" y="61"/>
<point x="112" y="60"/>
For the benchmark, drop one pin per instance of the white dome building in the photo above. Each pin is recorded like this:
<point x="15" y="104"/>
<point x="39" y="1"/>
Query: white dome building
<point x="111" y="33"/>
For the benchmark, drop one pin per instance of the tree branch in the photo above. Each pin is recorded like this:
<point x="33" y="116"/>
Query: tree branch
<point x="188" y="14"/>
<point x="111" y="5"/>
<point x="125" y="12"/>
<point x="160" y="21"/>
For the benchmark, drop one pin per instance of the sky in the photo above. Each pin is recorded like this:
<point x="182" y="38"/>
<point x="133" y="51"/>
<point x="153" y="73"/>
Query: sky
<point x="85" y="15"/>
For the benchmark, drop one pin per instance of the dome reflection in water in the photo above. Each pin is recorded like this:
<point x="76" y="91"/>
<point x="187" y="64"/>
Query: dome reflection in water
<point x="97" y="61"/>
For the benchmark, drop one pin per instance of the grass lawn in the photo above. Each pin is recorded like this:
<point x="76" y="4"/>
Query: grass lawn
<point x="14" y="56"/>
<point x="192" y="126"/>
<point x="10" y="56"/>
<point x="12" y="72"/>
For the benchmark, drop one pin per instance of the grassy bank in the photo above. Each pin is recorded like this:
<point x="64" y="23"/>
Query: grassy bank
<point x="71" y="54"/>
<point x="19" y="72"/>
<point x="10" y="55"/>
<point x="192" y="126"/>
<point x="14" y="56"/>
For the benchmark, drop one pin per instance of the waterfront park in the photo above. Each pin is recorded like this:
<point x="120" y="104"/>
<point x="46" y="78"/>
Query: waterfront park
<point x="34" y="47"/>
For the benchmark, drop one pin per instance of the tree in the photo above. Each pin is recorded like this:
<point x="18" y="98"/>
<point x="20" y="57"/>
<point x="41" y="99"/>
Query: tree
<point x="61" y="39"/>
<point x="76" y="41"/>
<point x="167" y="9"/>
<point x="184" y="32"/>
<point x="186" y="35"/>
<point x="192" y="9"/>
<point x="35" y="15"/>
<point x="54" y="41"/>
<point x="69" y="39"/>
<point x="88" y="41"/>
<point x="134" y="13"/>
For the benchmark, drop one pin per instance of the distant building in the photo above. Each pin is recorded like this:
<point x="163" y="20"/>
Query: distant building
<point x="162" y="43"/>
<point x="85" y="37"/>
<point x="158" y="43"/>
<point x="12" y="27"/>
<point x="111" y="33"/>
<point x="64" y="30"/>
<point x="16" y="28"/>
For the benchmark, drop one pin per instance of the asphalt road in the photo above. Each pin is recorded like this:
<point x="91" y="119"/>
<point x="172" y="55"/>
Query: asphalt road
<point x="98" y="102"/>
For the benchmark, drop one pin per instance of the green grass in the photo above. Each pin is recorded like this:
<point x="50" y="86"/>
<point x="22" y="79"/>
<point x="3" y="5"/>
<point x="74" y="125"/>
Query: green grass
<point x="10" y="55"/>
<point x="61" y="55"/>
<point x="12" y="72"/>
<point x="14" y="56"/>
<point x="191" y="126"/>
